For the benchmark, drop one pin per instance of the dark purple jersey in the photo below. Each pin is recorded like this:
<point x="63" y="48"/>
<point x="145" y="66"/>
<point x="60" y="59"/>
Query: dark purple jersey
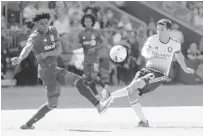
<point x="90" y="40"/>
<point x="43" y="43"/>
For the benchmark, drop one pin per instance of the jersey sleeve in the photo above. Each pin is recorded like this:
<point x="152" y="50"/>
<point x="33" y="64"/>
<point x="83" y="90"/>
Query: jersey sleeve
<point x="31" y="39"/>
<point x="148" y="42"/>
<point x="146" y="46"/>
<point x="177" y="46"/>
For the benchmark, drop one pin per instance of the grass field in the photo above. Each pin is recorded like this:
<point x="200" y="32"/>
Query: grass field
<point x="173" y="110"/>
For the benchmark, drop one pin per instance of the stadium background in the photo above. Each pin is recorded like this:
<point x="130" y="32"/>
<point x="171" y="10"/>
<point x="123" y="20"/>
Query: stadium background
<point x="119" y="22"/>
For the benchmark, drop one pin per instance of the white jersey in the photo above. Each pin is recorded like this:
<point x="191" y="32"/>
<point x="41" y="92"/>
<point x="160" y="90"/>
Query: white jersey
<point x="159" y="55"/>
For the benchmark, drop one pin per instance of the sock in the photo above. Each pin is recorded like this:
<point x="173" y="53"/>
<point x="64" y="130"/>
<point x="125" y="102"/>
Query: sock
<point x="138" y="110"/>
<point x="92" y="85"/>
<point x="86" y="92"/>
<point x="120" y="93"/>
<point x="39" y="115"/>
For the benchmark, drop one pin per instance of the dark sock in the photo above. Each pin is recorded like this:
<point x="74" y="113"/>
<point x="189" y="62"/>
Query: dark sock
<point x="40" y="114"/>
<point x="86" y="92"/>
<point x="92" y="85"/>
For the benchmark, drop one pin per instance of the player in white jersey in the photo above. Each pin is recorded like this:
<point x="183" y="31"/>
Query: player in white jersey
<point x="158" y="51"/>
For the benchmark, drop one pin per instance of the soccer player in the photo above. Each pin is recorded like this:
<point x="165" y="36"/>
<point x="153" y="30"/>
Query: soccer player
<point x="91" y="42"/>
<point x="158" y="51"/>
<point x="46" y="44"/>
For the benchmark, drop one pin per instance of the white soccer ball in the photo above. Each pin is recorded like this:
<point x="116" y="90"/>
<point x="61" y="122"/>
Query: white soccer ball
<point x="118" y="53"/>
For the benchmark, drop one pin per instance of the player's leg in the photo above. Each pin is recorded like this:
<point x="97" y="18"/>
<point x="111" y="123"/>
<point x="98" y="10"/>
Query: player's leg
<point x="105" y="92"/>
<point x="152" y="82"/>
<point x="88" y="71"/>
<point x="137" y="107"/>
<point x="53" y="93"/>
<point x="64" y="77"/>
<point x="135" y="84"/>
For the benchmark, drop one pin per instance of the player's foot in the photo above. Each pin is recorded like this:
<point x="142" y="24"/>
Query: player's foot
<point x="143" y="124"/>
<point x="26" y="126"/>
<point x="105" y="94"/>
<point x="102" y="106"/>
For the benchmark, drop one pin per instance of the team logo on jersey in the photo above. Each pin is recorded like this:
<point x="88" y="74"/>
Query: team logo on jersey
<point x="170" y="49"/>
<point x="46" y="48"/>
<point x="93" y="42"/>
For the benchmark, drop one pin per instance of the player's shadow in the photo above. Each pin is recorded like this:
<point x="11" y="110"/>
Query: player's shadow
<point x="87" y="130"/>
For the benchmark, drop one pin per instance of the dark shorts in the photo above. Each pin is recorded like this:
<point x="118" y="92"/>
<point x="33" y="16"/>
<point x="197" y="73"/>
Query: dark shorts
<point x="152" y="82"/>
<point x="53" y="78"/>
<point x="91" y="70"/>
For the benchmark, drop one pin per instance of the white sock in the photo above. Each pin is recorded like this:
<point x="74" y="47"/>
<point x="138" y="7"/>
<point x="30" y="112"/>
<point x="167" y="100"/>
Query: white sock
<point x="138" y="110"/>
<point x="120" y="93"/>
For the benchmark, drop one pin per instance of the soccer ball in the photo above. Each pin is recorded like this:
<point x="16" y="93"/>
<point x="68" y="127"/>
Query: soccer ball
<point x="118" y="53"/>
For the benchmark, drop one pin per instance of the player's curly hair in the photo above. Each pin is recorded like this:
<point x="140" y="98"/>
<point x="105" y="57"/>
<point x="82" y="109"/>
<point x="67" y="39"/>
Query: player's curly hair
<point x="41" y="15"/>
<point x="88" y="16"/>
<point x="166" y="22"/>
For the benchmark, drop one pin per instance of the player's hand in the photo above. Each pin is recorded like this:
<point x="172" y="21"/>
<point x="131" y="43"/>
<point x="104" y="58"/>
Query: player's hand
<point x="41" y="56"/>
<point x="189" y="70"/>
<point x="15" y="61"/>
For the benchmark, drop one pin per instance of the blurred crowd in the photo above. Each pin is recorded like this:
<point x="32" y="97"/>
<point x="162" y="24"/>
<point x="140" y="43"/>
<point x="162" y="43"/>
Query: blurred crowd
<point x="115" y="26"/>
<point x="188" y="11"/>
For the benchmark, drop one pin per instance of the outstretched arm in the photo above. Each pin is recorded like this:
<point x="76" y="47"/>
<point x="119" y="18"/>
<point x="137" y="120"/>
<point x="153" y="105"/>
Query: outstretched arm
<point x="181" y="60"/>
<point x="24" y="53"/>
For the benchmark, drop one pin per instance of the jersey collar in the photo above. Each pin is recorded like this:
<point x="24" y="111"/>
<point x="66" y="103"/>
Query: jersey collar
<point x="165" y="42"/>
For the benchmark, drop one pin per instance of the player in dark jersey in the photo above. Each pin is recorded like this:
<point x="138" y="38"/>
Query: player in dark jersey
<point x="91" y="42"/>
<point x="47" y="47"/>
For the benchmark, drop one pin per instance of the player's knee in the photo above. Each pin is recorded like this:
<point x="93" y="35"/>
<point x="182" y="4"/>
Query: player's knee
<point x="53" y="103"/>
<point x="138" y="83"/>
<point x="53" y="100"/>
<point x="51" y="107"/>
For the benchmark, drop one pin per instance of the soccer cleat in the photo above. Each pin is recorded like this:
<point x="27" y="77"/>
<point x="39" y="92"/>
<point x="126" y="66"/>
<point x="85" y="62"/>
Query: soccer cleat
<point x="105" y="94"/>
<point x="143" y="124"/>
<point x="26" y="126"/>
<point x="102" y="106"/>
